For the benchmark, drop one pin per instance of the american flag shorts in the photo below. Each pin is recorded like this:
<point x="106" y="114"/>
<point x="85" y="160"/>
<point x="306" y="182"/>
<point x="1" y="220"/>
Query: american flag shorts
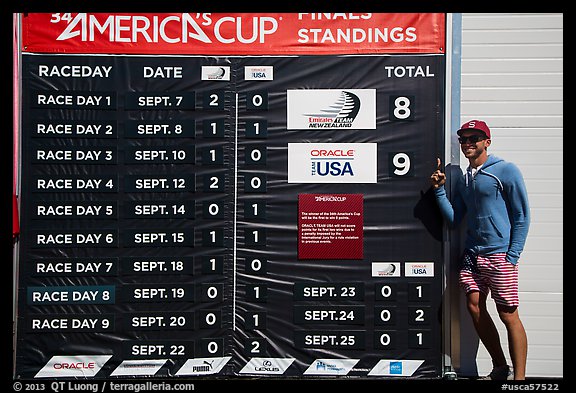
<point x="493" y="274"/>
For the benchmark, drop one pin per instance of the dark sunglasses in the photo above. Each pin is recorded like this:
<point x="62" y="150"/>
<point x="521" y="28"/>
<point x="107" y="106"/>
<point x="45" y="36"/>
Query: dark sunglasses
<point x="471" y="139"/>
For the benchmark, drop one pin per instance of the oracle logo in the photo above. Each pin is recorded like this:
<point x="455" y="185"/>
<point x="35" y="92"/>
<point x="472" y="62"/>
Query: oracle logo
<point x="76" y="365"/>
<point x="73" y="366"/>
<point x="332" y="153"/>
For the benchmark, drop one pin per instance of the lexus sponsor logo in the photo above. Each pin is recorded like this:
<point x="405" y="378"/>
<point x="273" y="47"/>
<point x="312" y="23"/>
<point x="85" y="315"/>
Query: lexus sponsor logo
<point x="267" y="366"/>
<point x="331" y="109"/>
<point x="85" y="366"/>
<point x="332" y="162"/>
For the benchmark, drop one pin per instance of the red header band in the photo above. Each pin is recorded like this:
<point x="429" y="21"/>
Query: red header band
<point x="234" y="34"/>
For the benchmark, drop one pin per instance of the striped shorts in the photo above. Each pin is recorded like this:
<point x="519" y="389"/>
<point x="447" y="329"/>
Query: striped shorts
<point x="494" y="274"/>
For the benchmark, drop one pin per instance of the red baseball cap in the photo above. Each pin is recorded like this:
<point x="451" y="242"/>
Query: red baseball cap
<point x="475" y="125"/>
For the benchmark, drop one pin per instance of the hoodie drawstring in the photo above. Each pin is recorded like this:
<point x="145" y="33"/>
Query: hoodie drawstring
<point x="494" y="177"/>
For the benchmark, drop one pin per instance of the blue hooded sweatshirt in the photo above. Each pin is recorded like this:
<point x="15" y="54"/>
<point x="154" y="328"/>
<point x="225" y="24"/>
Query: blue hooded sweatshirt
<point x="495" y="202"/>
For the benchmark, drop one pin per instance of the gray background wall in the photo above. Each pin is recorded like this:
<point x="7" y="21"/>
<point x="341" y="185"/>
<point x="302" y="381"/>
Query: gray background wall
<point x="512" y="77"/>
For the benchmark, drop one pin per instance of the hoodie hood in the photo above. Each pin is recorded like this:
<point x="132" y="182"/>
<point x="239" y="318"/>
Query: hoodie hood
<point x="491" y="161"/>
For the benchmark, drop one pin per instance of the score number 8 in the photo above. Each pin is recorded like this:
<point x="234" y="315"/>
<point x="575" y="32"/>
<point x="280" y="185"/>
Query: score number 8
<point x="401" y="108"/>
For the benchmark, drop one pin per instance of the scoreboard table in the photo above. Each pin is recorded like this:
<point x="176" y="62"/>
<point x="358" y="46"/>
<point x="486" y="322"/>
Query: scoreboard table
<point x="230" y="215"/>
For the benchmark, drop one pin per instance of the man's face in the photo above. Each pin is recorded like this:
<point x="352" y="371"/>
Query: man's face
<point x="473" y="143"/>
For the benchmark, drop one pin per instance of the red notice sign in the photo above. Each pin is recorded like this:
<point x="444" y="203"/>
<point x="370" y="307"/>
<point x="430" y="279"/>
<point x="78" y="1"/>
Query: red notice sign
<point x="330" y="226"/>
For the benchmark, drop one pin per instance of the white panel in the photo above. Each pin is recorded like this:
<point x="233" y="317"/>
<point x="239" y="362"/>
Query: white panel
<point x="553" y="214"/>
<point x="545" y="228"/>
<point x="501" y="21"/>
<point x="528" y="51"/>
<point x="525" y="139"/>
<point x="516" y="121"/>
<point x="515" y="93"/>
<point x="548" y="257"/>
<point x="523" y="158"/>
<point x="492" y="65"/>
<point x="519" y="36"/>
<point x="547" y="243"/>
<point x="515" y="107"/>
<point x="512" y="80"/>
<point x="542" y="200"/>
<point x="539" y="285"/>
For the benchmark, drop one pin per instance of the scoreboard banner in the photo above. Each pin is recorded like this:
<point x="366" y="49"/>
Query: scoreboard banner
<point x="215" y="213"/>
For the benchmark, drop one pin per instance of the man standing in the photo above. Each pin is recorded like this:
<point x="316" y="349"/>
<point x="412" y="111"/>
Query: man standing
<point x="493" y="197"/>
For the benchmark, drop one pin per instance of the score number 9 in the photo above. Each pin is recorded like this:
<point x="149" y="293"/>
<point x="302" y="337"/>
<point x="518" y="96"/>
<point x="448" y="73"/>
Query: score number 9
<point x="400" y="164"/>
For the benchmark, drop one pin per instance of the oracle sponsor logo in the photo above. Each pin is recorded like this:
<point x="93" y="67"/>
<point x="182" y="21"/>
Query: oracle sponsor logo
<point x="76" y="365"/>
<point x="73" y="366"/>
<point x="332" y="153"/>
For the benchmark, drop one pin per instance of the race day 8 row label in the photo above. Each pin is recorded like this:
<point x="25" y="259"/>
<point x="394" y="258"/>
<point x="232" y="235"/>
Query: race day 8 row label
<point x="132" y="293"/>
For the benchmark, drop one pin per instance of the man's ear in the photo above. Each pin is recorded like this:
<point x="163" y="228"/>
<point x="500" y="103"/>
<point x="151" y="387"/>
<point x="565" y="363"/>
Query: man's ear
<point x="488" y="142"/>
